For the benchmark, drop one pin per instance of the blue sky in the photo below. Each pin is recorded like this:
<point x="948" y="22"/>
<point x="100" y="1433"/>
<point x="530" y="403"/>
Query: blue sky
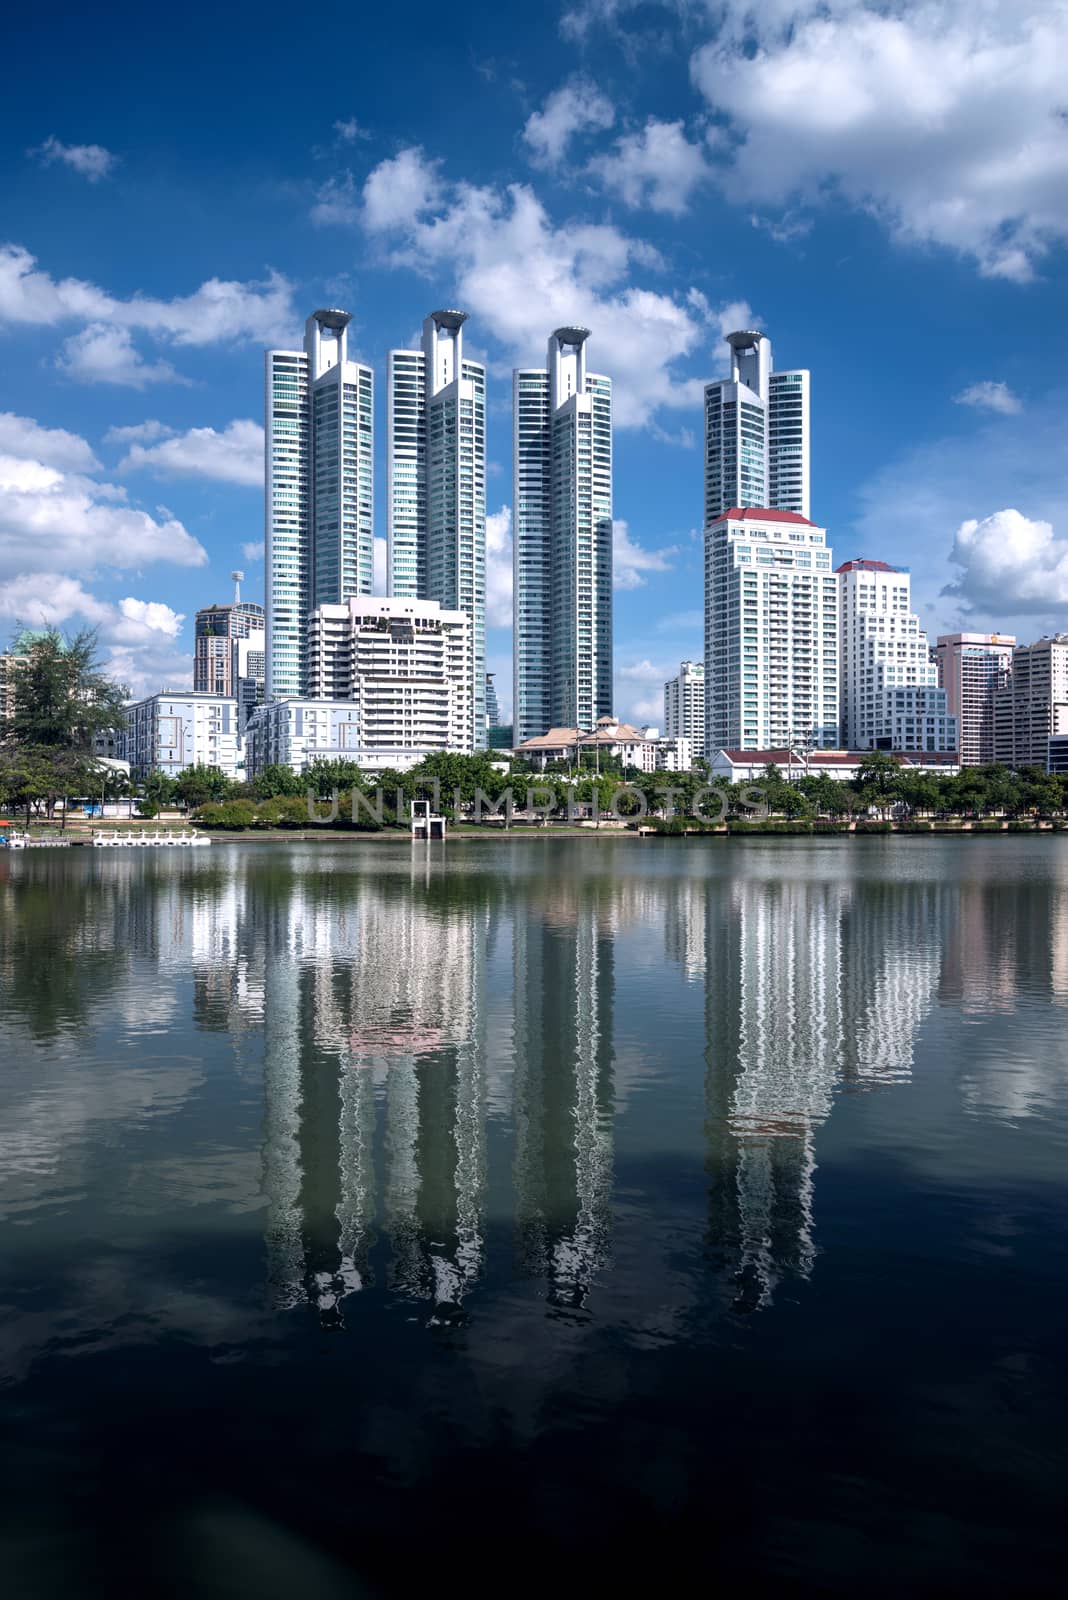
<point x="883" y="189"/>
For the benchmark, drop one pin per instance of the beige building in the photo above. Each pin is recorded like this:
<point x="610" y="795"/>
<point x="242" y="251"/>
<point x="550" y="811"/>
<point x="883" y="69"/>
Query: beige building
<point x="970" y="667"/>
<point x="1031" y="702"/>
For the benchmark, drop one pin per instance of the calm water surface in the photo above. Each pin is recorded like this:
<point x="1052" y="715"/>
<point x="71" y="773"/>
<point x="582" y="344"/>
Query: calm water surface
<point x="369" y="1213"/>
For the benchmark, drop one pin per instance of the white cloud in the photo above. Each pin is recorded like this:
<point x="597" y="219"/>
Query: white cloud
<point x="233" y="455"/>
<point x="639" y="691"/>
<point x="784" y="229"/>
<point x="630" y="561"/>
<point x="260" y="312"/>
<point x="56" y="518"/>
<point x="499" y="568"/>
<point x="22" y="436"/>
<point x="522" y="276"/>
<point x="657" y="167"/>
<point x="253" y="550"/>
<point x="337" y="203"/>
<point x="399" y="190"/>
<point x="92" y="161"/>
<point x="991" y="395"/>
<point x="1010" y="563"/>
<point x="47" y="600"/>
<point x="103" y="354"/>
<point x="137" y="621"/>
<point x="138" y="433"/>
<point x="349" y="130"/>
<point x="576" y="107"/>
<point x="946" y="120"/>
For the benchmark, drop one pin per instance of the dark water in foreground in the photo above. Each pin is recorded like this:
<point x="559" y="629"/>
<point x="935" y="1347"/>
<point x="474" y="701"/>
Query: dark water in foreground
<point x="370" y="1216"/>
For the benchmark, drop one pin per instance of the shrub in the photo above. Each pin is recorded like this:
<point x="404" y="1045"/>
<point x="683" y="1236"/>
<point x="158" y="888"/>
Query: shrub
<point x="233" y="815"/>
<point x="147" y="808"/>
<point x="283" y="811"/>
<point x="873" y="827"/>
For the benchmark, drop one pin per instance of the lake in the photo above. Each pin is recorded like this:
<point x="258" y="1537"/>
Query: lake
<point x="370" y="1211"/>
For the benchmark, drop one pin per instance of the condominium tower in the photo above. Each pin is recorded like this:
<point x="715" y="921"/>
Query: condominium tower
<point x="436" y="486"/>
<point x="756" y="433"/>
<point x="771" y="633"/>
<point x="1031" y="702"/>
<point x="562" y="541"/>
<point x="890" y="699"/>
<point x="228" y="654"/>
<point x="970" y="666"/>
<point x="684" y="706"/>
<point x="319" y="489"/>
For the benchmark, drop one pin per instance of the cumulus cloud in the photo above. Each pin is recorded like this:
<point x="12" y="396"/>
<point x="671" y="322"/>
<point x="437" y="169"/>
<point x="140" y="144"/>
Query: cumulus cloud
<point x="137" y="637"/>
<point x="630" y="562"/>
<point x="138" y="432"/>
<point x="260" y="312"/>
<point x="91" y="161"/>
<point x="56" y="517"/>
<point x="1010" y="563"/>
<point x="102" y="354"/>
<point x="337" y="203"/>
<point x="522" y="276"/>
<point x="575" y="108"/>
<point x="55" y="447"/>
<point x="254" y="550"/>
<point x="136" y="621"/>
<point x="944" y="120"/>
<point x="232" y="455"/>
<point x="658" y="168"/>
<point x="990" y="395"/>
<point x="639" y="690"/>
<point x="47" y="600"/>
<point x="499" y="568"/>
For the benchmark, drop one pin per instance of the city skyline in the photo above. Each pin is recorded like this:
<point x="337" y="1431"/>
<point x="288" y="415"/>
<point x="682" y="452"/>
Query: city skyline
<point x="134" y="326"/>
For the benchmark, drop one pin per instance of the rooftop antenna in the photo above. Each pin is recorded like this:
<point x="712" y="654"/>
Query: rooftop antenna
<point x="237" y="577"/>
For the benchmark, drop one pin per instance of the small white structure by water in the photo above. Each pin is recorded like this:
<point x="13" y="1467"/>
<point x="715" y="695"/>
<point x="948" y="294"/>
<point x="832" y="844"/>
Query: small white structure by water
<point x="140" y="837"/>
<point x="425" y="824"/>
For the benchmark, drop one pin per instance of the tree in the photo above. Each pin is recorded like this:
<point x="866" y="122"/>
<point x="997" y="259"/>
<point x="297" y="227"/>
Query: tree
<point x="62" y="697"/>
<point x="325" y="776"/>
<point x="878" y="780"/>
<point x="195" y="786"/>
<point x="277" y="779"/>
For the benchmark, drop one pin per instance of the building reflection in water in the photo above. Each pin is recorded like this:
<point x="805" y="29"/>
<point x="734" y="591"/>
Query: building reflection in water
<point x="382" y="1075"/>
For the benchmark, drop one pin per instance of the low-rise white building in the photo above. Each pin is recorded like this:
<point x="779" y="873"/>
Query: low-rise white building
<point x="297" y="733"/>
<point x="749" y="766"/>
<point x="179" y="728"/>
<point x="642" y="748"/>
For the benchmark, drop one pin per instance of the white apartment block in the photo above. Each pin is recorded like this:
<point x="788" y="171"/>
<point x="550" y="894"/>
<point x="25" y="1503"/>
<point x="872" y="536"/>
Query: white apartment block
<point x="179" y="728"/>
<point x="757" y="436"/>
<point x="771" y="633"/>
<point x="890" y="699"/>
<point x="436" y="485"/>
<point x="405" y="667"/>
<point x="970" y="667"/>
<point x="684" y="706"/>
<point x="562" y="541"/>
<point x="295" y="733"/>
<point x="1031" y="703"/>
<point x="319" y="532"/>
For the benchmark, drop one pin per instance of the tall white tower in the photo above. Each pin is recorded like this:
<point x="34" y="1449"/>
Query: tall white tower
<point x="436" y="484"/>
<point x="756" y="433"/>
<point x="562" y="541"/>
<point x="319" y="530"/>
<point x="771" y="634"/>
<point x="889" y="684"/>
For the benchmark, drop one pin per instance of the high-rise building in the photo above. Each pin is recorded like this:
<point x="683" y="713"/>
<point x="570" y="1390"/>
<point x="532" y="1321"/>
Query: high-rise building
<point x="229" y="654"/>
<point x="562" y="541"/>
<point x="436" y="485"/>
<point x="493" y="713"/>
<point x="771" y="633"/>
<point x="1031" y="702"/>
<point x="889" y="694"/>
<point x="319" y="489"/>
<point x="756" y="433"/>
<point x="970" y="666"/>
<point x="684" y="706"/>
<point x="405" y="665"/>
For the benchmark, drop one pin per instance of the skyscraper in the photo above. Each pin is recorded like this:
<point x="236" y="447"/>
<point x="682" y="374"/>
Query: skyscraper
<point x="890" y="697"/>
<point x="771" y="633"/>
<point x="970" y="666"/>
<point x="436" y="485"/>
<point x="1031" y="702"/>
<point x="228" y="654"/>
<point x="320" y="481"/>
<point x="562" y="541"/>
<point x="756" y="433"/>
<point x="684" y="706"/>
